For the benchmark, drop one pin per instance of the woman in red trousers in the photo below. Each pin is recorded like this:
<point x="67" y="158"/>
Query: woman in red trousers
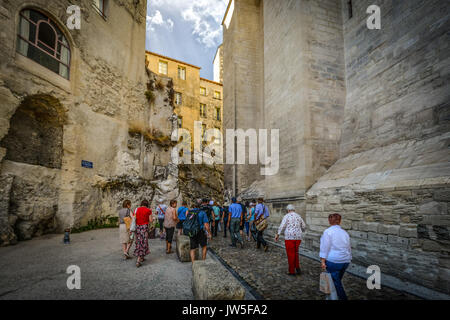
<point x="292" y="226"/>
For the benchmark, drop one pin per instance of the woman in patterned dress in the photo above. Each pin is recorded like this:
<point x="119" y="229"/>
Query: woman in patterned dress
<point x="143" y="217"/>
<point x="292" y="226"/>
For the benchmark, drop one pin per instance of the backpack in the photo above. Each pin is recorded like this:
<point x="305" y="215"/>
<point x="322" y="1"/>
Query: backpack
<point x="208" y="210"/>
<point x="161" y="213"/>
<point x="191" y="227"/>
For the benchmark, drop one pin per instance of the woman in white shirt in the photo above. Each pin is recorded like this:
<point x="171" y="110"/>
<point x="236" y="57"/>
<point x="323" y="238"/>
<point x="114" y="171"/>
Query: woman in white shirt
<point x="292" y="226"/>
<point x="335" y="252"/>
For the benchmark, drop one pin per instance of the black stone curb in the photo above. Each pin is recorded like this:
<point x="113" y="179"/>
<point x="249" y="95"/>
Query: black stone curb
<point x="237" y="276"/>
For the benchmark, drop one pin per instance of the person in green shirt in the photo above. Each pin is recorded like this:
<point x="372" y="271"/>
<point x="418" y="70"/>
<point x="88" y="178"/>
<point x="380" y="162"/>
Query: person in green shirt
<point x="216" y="211"/>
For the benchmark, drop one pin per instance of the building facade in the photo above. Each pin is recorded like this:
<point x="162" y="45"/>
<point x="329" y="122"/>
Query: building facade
<point x="195" y="98"/>
<point x="363" y="119"/>
<point x="75" y="121"/>
<point x="218" y="65"/>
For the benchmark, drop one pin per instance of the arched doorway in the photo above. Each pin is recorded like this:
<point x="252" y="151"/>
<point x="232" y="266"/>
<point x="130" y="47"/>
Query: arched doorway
<point x="34" y="152"/>
<point x="36" y="132"/>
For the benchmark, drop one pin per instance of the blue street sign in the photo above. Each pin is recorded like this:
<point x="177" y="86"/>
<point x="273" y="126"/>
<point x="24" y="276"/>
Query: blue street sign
<point x="87" y="164"/>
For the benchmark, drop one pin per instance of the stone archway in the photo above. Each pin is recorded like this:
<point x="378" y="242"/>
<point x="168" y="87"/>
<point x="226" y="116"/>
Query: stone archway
<point x="36" y="132"/>
<point x="31" y="168"/>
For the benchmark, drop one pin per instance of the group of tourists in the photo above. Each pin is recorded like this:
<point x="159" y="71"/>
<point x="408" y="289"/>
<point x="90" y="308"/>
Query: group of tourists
<point x="249" y="216"/>
<point x="335" y="248"/>
<point x="205" y="218"/>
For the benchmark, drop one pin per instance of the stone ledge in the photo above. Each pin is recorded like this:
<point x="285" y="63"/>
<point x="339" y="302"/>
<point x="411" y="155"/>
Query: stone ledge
<point x="183" y="249"/>
<point x="212" y="281"/>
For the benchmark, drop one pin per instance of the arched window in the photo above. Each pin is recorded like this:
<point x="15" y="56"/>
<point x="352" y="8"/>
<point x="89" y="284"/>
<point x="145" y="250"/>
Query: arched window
<point x="41" y="40"/>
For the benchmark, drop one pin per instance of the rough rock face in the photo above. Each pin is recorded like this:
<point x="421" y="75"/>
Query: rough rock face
<point x="7" y="235"/>
<point x="201" y="181"/>
<point x="71" y="150"/>
<point x="211" y="281"/>
<point x="33" y="200"/>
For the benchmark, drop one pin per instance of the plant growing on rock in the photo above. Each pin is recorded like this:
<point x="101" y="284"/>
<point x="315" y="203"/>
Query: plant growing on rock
<point x="159" y="85"/>
<point x="150" y="96"/>
<point x="153" y="135"/>
<point x="98" y="223"/>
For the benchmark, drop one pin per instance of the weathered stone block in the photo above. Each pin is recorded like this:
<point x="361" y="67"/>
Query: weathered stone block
<point x="398" y="241"/>
<point x="433" y="208"/>
<point x="317" y="207"/>
<point x="376" y="237"/>
<point x="353" y="216"/>
<point x="404" y="209"/>
<point x="442" y="195"/>
<point x="357" y="234"/>
<point x="442" y="232"/>
<point x="346" y="224"/>
<point x="333" y="207"/>
<point x="7" y="235"/>
<point x="212" y="281"/>
<point x="441" y="220"/>
<point x="184" y="248"/>
<point x="388" y="229"/>
<point x="413" y="243"/>
<point x="430" y="245"/>
<point x="369" y="226"/>
<point x="334" y="200"/>
<point x="320" y="221"/>
<point x="408" y="231"/>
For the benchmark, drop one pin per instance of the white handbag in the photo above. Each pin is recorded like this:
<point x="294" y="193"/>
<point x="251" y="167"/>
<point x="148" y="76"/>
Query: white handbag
<point x="133" y="223"/>
<point x="327" y="286"/>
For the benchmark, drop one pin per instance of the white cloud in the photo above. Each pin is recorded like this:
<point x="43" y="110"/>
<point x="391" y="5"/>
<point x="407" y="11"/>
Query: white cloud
<point x="170" y="24"/>
<point x="157" y="20"/>
<point x="204" y="15"/>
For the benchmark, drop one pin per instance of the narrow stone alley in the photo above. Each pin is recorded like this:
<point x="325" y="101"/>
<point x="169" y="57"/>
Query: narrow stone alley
<point x="265" y="272"/>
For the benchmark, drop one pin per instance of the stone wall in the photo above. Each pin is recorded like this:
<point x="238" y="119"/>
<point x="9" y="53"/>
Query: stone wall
<point x="382" y="161"/>
<point x="201" y="181"/>
<point x="242" y="83"/>
<point x="391" y="183"/>
<point x="403" y="231"/>
<point x="304" y="90"/>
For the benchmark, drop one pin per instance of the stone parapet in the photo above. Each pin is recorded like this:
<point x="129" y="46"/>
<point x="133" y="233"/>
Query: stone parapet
<point x="183" y="249"/>
<point x="212" y="281"/>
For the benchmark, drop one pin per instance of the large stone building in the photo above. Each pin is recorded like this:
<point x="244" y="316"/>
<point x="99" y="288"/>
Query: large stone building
<point x="364" y="124"/>
<point x="218" y="65"/>
<point x="82" y="123"/>
<point x="195" y="98"/>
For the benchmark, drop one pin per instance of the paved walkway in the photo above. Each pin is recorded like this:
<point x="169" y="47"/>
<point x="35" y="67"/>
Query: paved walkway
<point x="36" y="269"/>
<point x="266" y="273"/>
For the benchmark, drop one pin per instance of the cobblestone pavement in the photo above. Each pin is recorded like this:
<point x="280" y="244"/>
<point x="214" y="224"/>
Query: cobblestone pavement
<point x="266" y="272"/>
<point x="36" y="269"/>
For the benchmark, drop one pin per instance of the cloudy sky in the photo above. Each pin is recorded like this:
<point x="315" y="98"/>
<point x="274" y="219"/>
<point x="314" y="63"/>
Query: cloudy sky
<point x="187" y="30"/>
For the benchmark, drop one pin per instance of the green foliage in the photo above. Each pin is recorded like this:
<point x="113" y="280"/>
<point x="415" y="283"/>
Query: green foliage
<point x="159" y="85"/>
<point x="98" y="223"/>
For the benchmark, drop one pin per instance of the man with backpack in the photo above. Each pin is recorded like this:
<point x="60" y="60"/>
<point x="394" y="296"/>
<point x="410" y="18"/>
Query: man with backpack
<point x="209" y="213"/>
<point x="194" y="226"/>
